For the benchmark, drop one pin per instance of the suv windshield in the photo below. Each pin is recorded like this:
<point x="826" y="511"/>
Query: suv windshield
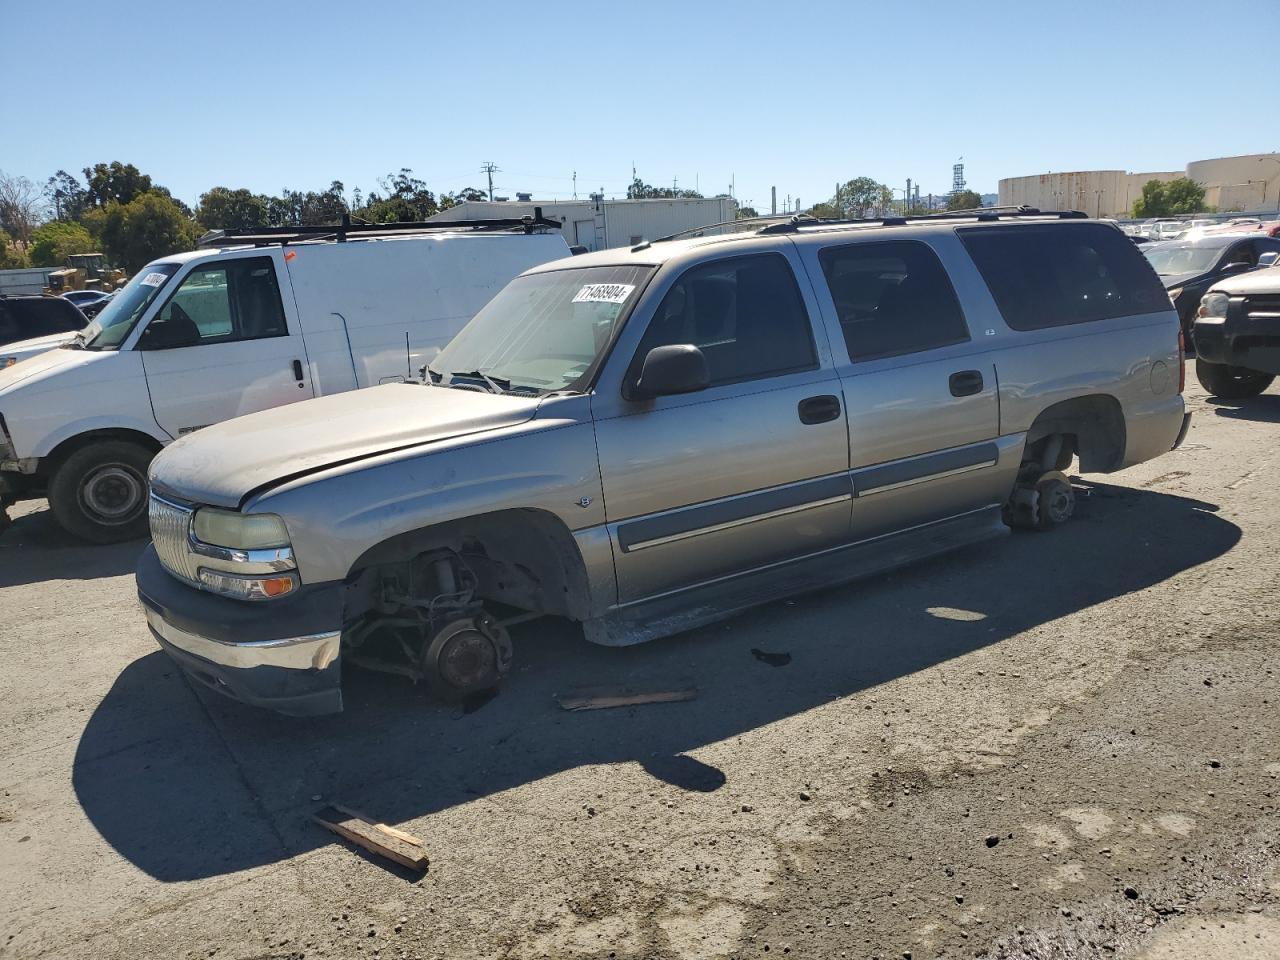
<point x="542" y="332"/>
<point x="109" y="328"/>
<point x="1170" y="261"/>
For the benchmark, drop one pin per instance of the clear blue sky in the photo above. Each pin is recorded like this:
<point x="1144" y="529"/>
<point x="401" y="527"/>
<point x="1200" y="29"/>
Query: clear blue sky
<point x="295" y="93"/>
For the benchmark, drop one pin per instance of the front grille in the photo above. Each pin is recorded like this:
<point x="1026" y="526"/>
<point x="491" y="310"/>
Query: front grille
<point x="170" y="526"/>
<point x="1264" y="303"/>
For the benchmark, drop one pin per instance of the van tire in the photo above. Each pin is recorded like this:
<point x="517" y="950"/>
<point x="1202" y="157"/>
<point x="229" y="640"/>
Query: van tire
<point x="1231" y="383"/>
<point x="99" y="492"/>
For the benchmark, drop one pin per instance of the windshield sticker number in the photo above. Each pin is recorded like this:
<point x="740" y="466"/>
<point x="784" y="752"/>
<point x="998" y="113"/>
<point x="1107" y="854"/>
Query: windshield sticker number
<point x="154" y="279"/>
<point x="604" y="293"/>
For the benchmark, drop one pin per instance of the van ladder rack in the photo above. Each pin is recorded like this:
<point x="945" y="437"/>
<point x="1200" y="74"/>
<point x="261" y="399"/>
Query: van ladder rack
<point x="979" y="214"/>
<point x="341" y="232"/>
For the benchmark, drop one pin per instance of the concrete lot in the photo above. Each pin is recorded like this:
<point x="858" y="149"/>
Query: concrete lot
<point x="1061" y="745"/>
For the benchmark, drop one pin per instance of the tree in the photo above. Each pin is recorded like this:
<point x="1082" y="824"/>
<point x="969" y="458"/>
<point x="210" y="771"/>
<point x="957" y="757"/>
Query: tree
<point x="745" y="213"/>
<point x="150" y="226"/>
<point x="69" y="199"/>
<point x="12" y="256"/>
<point x="53" y="242"/>
<point x="115" y="182"/>
<point x="294" y="208"/>
<point x="404" y="198"/>
<point x="20" y="207"/>
<point x="222" y="208"/>
<point x="639" y="190"/>
<point x="964" y="200"/>
<point x="448" y="200"/>
<point x="1169" y="198"/>
<point x="859" y="197"/>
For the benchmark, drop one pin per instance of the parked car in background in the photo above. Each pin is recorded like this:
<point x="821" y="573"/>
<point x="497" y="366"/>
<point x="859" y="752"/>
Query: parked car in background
<point x="1268" y="228"/>
<point x="1166" y="229"/>
<point x="1237" y="331"/>
<point x="33" y="324"/>
<point x="197" y="338"/>
<point x="646" y="439"/>
<point x="1188" y="268"/>
<point x="89" y="302"/>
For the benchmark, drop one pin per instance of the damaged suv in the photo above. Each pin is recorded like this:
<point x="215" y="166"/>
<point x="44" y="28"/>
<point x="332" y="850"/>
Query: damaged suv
<point x="645" y="440"/>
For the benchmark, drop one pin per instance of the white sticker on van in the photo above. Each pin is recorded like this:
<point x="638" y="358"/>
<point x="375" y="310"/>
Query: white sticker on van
<point x="604" y="293"/>
<point x="154" y="279"/>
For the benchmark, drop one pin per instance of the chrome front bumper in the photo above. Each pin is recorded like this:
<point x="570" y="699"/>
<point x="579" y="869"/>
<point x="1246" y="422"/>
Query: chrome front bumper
<point x="282" y="655"/>
<point x="313" y="652"/>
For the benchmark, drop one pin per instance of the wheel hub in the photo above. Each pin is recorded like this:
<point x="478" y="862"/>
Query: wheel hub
<point x="113" y="493"/>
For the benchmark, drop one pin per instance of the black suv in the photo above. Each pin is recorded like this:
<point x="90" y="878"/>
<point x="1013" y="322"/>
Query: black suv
<point x="24" y="317"/>
<point x="1188" y="268"/>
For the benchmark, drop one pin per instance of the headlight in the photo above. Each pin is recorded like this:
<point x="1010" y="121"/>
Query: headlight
<point x="1175" y="293"/>
<point x="240" y="531"/>
<point x="1213" y="305"/>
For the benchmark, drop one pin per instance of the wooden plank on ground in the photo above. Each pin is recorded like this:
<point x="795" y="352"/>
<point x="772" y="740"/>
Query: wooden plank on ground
<point x="396" y="845"/>
<point x="605" y="699"/>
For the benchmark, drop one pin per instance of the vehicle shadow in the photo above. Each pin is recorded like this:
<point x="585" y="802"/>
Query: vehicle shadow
<point x="35" y="548"/>
<point x="1263" y="409"/>
<point x="186" y="788"/>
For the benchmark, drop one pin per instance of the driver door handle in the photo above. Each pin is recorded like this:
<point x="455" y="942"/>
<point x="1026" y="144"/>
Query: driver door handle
<point x="297" y="371"/>
<point x="819" y="409"/>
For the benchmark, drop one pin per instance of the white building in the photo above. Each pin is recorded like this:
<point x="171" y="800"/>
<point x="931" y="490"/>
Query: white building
<point x="600" y="224"/>
<point x="1249" y="183"/>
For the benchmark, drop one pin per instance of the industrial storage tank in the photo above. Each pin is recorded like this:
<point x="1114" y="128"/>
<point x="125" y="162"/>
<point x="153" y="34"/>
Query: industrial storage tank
<point x="1250" y="182"/>
<point x="1099" y="193"/>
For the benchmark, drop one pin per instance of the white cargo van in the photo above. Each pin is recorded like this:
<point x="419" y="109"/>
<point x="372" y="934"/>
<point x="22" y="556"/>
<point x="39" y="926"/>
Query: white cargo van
<point x="257" y="321"/>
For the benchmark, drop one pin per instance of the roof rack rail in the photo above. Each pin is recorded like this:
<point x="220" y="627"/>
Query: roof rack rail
<point x="341" y="232"/>
<point x="694" y="232"/>
<point x="981" y="214"/>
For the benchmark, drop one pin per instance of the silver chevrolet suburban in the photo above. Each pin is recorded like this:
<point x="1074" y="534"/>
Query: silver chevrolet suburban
<point x="645" y="440"/>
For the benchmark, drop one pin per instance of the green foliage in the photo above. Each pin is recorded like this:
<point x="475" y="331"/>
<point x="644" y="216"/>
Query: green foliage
<point x="859" y="197"/>
<point x="53" y="242"/>
<point x="69" y="199"/>
<point x="115" y="182"/>
<point x="964" y="200"/>
<point x="148" y="227"/>
<point x="746" y="212"/>
<point x="1169" y="199"/>
<point x="294" y="208"/>
<point x="12" y="256"/>
<point x="222" y="208"/>
<point x="639" y="190"/>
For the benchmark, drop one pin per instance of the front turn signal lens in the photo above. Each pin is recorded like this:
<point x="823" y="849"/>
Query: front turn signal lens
<point x="248" y="588"/>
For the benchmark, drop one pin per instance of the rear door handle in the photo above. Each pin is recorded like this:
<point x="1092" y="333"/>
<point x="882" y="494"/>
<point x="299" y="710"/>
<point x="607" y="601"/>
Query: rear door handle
<point x="819" y="409"/>
<point x="966" y="383"/>
<point x="297" y="371"/>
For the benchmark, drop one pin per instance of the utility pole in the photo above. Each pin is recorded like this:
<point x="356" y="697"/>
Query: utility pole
<point x="575" y="184"/>
<point x="773" y="203"/>
<point x="490" y="168"/>
<point x="906" y="199"/>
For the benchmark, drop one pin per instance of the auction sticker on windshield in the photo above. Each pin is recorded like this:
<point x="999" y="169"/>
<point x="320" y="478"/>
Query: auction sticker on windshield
<point x="604" y="293"/>
<point x="154" y="279"/>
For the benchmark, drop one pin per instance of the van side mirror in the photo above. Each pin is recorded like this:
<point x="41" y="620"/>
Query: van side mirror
<point x="671" y="369"/>
<point x="168" y="335"/>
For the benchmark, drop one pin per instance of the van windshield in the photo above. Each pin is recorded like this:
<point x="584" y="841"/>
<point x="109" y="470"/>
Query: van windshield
<point x="109" y="328"/>
<point x="542" y="332"/>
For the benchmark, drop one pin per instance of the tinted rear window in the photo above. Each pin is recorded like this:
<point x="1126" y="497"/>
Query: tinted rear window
<point x="26" y="317"/>
<point x="1054" y="275"/>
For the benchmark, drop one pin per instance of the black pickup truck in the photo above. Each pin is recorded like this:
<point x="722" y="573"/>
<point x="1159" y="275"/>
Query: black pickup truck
<point x="1237" y="334"/>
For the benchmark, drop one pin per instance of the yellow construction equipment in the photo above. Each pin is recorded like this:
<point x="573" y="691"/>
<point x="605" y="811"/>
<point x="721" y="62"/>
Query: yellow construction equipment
<point x="84" y="271"/>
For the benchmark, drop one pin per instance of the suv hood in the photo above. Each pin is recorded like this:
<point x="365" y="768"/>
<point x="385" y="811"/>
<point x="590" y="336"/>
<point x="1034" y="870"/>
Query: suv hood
<point x="222" y="463"/>
<point x="1266" y="280"/>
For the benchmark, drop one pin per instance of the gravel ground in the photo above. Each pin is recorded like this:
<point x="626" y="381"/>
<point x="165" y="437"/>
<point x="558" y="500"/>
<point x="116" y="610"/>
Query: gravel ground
<point x="1053" y="746"/>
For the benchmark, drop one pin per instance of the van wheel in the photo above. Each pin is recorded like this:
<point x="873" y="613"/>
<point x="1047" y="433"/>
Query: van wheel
<point x="1231" y="383"/>
<point x="99" y="493"/>
<point x="467" y="656"/>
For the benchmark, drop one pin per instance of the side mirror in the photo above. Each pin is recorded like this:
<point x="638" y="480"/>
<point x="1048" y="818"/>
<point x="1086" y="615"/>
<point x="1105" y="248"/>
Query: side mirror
<point x="1236" y="267"/>
<point x="673" y="369"/>
<point x="168" y="335"/>
<point x="1268" y="259"/>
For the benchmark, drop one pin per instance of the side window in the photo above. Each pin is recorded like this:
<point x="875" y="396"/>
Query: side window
<point x="745" y="314"/>
<point x="42" y="316"/>
<point x="1052" y="275"/>
<point x="1242" y="253"/>
<point x="227" y="301"/>
<point x="892" y="298"/>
